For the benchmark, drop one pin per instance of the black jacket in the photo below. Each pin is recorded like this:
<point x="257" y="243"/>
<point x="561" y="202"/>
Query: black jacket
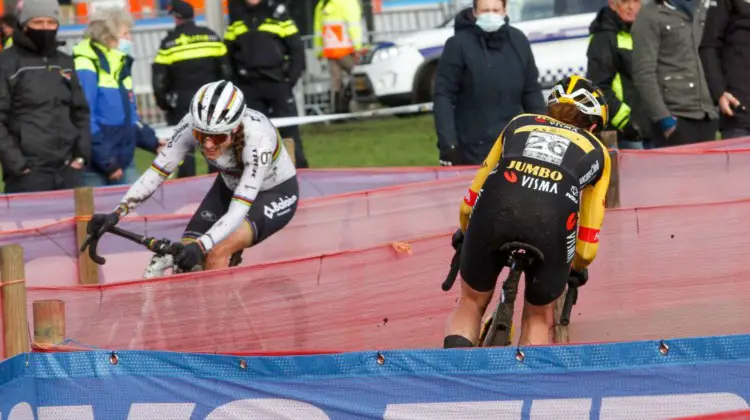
<point x="610" y="66"/>
<point x="725" y="54"/>
<point x="189" y="57"/>
<point x="44" y="116"/>
<point x="265" y="44"/>
<point x="483" y="80"/>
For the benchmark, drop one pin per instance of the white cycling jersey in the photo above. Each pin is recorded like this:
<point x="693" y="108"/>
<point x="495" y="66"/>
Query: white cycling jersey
<point x="260" y="162"/>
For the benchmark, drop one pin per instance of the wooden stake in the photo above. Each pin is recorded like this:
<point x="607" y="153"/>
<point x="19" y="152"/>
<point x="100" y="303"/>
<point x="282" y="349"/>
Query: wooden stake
<point x="15" y="324"/>
<point x="88" y="270"/>
<point x="49" y="322"/>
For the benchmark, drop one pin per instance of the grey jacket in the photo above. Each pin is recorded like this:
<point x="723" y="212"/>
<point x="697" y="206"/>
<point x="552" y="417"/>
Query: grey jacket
<point x="667" y="70"/>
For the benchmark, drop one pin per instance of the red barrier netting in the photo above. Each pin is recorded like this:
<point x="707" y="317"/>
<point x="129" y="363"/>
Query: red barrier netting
<point x="666" y="178"/>
<point x="645" y="177"/>
<point x="662" y="272"/>
<point x="729" y="415"/>
<point x="324" y="225"/>
<point x="182" y="196"/>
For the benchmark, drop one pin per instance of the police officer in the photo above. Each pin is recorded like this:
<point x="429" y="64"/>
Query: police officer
<point x="268" y="58"/>
<point x="189" y="57"/>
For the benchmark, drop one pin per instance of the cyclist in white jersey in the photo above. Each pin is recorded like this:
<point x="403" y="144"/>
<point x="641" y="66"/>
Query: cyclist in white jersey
<point x="254" y="196"/>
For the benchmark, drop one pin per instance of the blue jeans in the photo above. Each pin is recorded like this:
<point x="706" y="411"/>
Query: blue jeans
<point x="91" y="178"/>
<point x="626" y="144"/>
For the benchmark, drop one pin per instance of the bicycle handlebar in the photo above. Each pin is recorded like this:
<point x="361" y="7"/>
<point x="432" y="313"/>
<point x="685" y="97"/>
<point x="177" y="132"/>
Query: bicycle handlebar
<point x="157" y="246"/>
<point x="571" y="297"/>
<point x="453" y="273"/>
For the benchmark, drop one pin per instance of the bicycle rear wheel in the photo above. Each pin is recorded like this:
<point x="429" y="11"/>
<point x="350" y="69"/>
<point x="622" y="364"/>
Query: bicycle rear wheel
<point x="561" y="331"/>
<point x="499" y="332"/>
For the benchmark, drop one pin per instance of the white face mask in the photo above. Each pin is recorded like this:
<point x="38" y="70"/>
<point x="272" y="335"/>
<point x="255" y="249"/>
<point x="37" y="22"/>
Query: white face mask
<point x="125" y="45"/>
<point x="490" y="22"/>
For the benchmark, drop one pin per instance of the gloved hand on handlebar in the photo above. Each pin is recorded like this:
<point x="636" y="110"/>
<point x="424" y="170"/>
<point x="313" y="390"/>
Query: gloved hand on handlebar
<point x="578" y="278"/>
<point x="189" y="256"/>
<point x="101" y="223"/>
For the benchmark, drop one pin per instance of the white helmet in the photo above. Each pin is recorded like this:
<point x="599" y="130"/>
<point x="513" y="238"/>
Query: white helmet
<point x="217" y="107"/>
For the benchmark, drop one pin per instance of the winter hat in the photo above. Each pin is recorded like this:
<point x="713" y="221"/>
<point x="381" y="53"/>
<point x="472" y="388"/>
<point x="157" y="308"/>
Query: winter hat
<point x="39" y="8"/>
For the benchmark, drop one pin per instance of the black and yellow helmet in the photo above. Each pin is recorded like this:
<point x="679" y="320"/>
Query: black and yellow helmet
<point x="585" y="95"/>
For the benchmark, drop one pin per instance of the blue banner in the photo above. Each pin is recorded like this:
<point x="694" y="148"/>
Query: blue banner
<point x="640" y="380"/>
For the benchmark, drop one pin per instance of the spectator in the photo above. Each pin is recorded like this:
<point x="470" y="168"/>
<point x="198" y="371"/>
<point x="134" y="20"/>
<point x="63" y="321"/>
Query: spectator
<point x="668" y="73"/>
<point x="44" y="132"/>
<point x="338" y="37"/>
<point x="7" y="25"/>
<point x="104" y="65"/>
<point x="268" y="58"/>
<point x="189" y="57"/>
<point x="725" y="54"/>
<point x="486" y="76"/>
<point x="610" y="66"/>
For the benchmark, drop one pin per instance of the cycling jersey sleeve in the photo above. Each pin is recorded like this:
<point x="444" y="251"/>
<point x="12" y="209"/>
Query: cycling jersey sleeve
<point x="592" y="215"/>
<point x="163" y="165"/>
<point x="476" y="185"/>
<point x="257" y="158"/>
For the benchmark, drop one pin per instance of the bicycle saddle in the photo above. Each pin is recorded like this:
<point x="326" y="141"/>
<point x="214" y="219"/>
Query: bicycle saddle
<point x="523" y="251"/>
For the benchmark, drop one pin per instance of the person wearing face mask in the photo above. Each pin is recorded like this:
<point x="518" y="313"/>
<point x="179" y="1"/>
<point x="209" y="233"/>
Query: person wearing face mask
<point x="610" y="66"/>
<point x="486" y="76"/>
<point x="44" y="117"/>
<point x="104" y="61"/>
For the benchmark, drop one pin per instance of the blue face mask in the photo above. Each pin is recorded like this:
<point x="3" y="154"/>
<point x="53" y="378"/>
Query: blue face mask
<point x="490" y="22"/>
<point x="126" y="46"/>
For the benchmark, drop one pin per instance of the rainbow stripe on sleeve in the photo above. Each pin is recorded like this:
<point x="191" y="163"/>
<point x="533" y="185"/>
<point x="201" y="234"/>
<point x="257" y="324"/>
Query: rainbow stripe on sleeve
<point x="161" y="171"/>
<point x="242" y="200"/>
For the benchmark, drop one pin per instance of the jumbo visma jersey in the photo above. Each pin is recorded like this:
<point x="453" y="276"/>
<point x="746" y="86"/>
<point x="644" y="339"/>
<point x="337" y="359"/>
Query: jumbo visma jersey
<point x="541" y="153"/>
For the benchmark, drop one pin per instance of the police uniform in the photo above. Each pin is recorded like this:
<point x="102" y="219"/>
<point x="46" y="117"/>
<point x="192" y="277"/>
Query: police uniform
<point x="268" y="58"/>
<point x="189" y="57"/>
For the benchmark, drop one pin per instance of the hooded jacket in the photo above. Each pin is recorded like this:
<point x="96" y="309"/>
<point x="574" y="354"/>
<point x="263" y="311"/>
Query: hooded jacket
<point x="610" y="66"/>
<point x="44" y="116"/>
<point x="483" y="80"/>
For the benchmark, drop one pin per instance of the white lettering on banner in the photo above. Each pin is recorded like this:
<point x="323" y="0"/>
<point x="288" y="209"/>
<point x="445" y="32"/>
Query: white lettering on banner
<point x="539" y="184"/>
<point x="279" y="207"/>
<point x="266" y="408"/>
<point x="70" y="412"/>
<point x="570" y="241"/>
<point x="457" y="410"/>
<point x="573" y="194"/>
<point x="587" y="177"/>
<point x="546" y="147"/>
<point x="162" y="411"/>
<point x="650" y="407"/>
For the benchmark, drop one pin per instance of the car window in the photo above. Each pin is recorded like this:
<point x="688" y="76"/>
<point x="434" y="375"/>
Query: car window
<point x="524" y="10"/>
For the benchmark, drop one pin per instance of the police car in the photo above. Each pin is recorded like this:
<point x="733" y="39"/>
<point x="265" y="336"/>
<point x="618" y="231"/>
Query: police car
<point x="402" y="71"/>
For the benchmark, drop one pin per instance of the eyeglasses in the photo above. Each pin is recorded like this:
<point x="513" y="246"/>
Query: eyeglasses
<point x="217" y="138"/>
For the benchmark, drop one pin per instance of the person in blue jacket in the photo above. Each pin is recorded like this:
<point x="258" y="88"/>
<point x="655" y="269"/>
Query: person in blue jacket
<point x="103" y="63"/>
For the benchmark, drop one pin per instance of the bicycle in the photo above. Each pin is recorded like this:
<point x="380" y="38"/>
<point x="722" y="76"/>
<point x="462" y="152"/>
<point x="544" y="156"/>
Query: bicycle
<point x="498" y="328"/>
<point x="164" y="251"/>
<point x="153" y="306"/>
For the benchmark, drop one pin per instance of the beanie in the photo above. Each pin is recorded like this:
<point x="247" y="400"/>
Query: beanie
<point x="39" y="8"/>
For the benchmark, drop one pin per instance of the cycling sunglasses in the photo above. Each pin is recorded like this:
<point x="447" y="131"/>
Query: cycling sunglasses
<point x="217" y="138"/>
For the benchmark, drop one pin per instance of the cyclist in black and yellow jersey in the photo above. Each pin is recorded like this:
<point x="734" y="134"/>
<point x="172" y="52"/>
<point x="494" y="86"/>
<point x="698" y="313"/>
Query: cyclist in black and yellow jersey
<point x="540" y="173"/>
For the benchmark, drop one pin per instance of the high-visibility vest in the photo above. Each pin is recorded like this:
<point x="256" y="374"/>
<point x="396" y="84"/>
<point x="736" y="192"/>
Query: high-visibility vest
<point x="338" y="28"/>
<point x="336" y="40"/>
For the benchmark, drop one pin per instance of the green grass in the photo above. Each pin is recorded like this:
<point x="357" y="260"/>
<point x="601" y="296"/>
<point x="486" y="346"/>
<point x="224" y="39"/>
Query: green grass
<point x="407" y="141"/>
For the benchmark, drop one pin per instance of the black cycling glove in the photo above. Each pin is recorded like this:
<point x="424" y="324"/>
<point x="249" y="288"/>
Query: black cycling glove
<point x="457" y="240"/>
<point x="450" y="156"/>
<point x="578" y="278"/>
<point x="189" y="256"/>
<point x="101" y="223"/>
